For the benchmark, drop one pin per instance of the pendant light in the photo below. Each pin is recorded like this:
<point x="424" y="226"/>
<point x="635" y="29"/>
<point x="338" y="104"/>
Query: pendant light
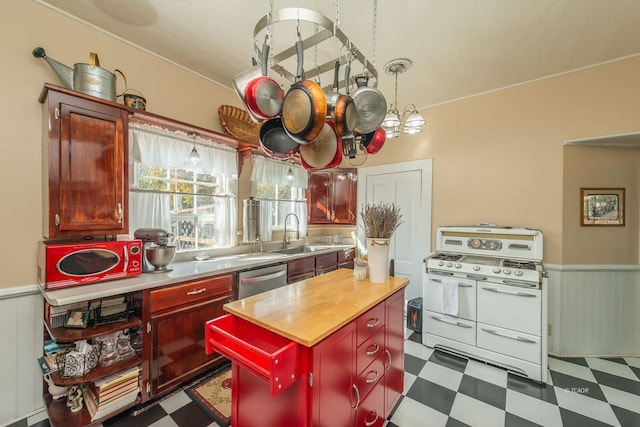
<point x="410" y="121"/>
<point x="194" y="156"/>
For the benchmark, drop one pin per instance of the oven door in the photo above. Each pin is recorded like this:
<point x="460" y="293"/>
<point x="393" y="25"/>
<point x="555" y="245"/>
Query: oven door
<point x="510" y="307"/>
<point x="435" y="296"/>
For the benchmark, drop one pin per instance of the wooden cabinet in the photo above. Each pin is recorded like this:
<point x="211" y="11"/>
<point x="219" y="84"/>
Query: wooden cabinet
<point x="326" y="263"/>
<point x="332" y="196"/>
<point x="301" y="269"/>
<point x="57" y="410"/>
<point x="346" y="257"/>
<point x="85" y="170"/>
<point x="174" y="350"/>
<point x="394" y="350"/>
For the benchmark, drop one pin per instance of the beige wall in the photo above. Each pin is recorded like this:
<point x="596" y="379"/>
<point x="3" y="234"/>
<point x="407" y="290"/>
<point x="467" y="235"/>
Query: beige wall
<point x="496" y="158"/>
<point x="597" y="167"/>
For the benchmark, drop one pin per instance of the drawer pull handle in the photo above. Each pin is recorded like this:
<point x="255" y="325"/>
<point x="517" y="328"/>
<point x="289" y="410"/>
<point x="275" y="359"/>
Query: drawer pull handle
<point x="440" y="319"/>
<point x="374" y="379"/>
<point x="517" y="294"/>
<point x="355" y="387"/>
<point x="462" y="285"/>
<point x="197" y="291"/>
<point x="517" y="338"/>
<point x="375" y="350"/>
<point x="373" y="324"/>
<point x="389" y="358"/>
<point x="372" y="422"/>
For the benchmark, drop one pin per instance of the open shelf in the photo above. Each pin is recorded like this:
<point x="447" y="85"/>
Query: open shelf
<point x="60" y="415"/>
<point x="65" y="335"/>
<point x="97" y="372"/>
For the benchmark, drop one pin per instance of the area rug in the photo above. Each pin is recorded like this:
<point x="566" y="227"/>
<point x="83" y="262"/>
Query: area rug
<point x="213" y="395"/>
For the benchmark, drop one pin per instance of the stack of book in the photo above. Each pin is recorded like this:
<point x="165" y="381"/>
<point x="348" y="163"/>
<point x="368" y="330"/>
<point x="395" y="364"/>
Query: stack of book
<point x="110" y="308"/>
<point x="109" y="394"/>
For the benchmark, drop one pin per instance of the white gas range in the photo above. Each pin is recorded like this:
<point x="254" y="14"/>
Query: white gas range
<point x="484" y="293"/>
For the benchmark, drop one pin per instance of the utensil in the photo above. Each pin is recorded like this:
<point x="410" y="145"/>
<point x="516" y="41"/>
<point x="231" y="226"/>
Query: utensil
<point x="304" y="109"/>
<point x="263" y="96"/>
<point x="321" y="152"/>
<point x="371" y="106"/>
<point x="275" y="141"/>
<point x="340" y="107"/>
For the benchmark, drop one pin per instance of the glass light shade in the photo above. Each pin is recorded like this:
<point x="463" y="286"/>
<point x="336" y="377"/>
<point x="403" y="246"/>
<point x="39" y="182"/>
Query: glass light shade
<point x="391" y="119"/>
<point x="412" y="129"/>
<point x="415" y="120"/>
<point x="391" y="131"/>
<point x="290" y="175"/>
<point x="194" y="157"/>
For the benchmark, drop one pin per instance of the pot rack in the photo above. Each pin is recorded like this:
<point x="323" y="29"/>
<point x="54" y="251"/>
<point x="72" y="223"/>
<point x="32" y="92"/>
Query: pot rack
<point x="327" y="30"/>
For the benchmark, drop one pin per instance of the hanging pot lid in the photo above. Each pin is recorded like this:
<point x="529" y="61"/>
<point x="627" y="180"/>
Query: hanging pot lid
<point x="321" y="151"/>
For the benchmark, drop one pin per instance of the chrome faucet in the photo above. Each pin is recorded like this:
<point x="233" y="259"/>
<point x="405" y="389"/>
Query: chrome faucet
<point x="284" y="235"/>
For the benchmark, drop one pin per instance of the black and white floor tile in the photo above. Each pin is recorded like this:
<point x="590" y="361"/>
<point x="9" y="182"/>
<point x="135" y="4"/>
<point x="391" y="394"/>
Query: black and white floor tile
<point x="445" y="390"/>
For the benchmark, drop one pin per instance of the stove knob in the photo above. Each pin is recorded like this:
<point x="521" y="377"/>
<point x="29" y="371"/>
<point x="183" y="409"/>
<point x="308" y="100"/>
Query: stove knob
<point x="440" y="263"/>
<point x="449" y="264"/>
<point x="518" y="272"/>
<point x="458" y="265"/>
<point x="476" y="268"/>
<point x="506" y="271"/>
<point x="496" y="270"/>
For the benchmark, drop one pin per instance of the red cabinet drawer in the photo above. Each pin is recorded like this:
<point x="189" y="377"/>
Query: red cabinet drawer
<point x="271" y="357"/>
<point x="370" y="413"/>
<point x="369" y="350"/>
<point x="346" y="255"/>
<point x="301" y="266"/>
<point x="369" y="322"/>
<point x="326" y="260"/>
<point x="190" y="292"/>
<point x="370" y="377"/>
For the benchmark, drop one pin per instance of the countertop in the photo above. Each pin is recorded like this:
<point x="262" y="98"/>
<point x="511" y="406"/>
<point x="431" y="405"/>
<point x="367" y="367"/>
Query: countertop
<point x="310" y="310"/>
<point x="180" y="272"/>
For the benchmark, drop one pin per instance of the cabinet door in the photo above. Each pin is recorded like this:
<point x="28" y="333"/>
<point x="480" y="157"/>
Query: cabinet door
<point x="87" y="169"/>
<point x="177" y="344"/>
<point x="394" y="369"/>
<point x="319" y="198"/>
<point x="344" y="197"/>
<point x="333" y="393"/>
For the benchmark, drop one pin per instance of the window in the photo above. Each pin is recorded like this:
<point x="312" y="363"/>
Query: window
<point x="196" y="204"/>
<point x="279" y="194"/>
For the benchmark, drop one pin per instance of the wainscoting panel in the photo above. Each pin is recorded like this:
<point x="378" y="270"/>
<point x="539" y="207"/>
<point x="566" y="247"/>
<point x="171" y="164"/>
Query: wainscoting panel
<point x="21" y="344"/>
<point x="594" y="310"/>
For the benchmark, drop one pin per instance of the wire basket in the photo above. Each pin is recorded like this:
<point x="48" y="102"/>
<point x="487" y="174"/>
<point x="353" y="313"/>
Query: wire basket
<point x="76" y="364"/>
<point x="237" y="123"/>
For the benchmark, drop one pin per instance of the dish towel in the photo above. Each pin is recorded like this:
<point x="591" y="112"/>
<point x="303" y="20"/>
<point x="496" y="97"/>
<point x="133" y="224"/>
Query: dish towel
<point x="450" y="297"/>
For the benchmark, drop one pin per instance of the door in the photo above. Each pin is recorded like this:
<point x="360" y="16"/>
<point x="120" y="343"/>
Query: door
<point x="407" y="184"/>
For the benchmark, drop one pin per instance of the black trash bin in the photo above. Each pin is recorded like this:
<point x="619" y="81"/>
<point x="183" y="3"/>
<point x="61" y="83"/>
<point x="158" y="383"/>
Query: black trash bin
<point x="414" y="314"/>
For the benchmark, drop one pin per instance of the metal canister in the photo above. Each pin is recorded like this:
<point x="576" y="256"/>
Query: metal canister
<point x="250" y="219"/>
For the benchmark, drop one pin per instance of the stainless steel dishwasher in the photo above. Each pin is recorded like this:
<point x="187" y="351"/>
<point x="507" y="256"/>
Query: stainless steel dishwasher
<point x="261" y="279"/>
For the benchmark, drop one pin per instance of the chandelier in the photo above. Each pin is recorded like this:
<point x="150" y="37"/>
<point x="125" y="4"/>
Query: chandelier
<point x="410" y="121"/>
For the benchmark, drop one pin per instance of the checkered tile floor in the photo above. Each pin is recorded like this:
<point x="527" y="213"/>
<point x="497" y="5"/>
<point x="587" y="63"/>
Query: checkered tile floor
<point x="444" y="390"/>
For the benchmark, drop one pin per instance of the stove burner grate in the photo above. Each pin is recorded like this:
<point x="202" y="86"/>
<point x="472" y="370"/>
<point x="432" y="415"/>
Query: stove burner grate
<point x="526" y="265"/>
<point x="446" y="257"/>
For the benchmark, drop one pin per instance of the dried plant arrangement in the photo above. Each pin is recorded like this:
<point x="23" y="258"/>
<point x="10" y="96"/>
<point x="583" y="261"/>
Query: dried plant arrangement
<point x="380" y="220"/>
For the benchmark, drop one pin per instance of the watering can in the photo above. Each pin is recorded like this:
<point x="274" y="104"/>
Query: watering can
<point x="86" y="78"/>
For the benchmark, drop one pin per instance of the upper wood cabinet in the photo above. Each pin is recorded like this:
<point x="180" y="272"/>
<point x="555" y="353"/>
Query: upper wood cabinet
<point x="332" y="196"/>
<point x="85" y="168"/>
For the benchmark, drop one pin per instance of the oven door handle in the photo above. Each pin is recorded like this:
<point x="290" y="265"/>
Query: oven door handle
<point x="475" y="277"/>
<point x="517" y="337"/>
<point x="450" y="322"/>
<point x="519" y="284"/>
<point x="518" y="293"/>
<point x="440" y="273"/>
<point x="462" y="285"/>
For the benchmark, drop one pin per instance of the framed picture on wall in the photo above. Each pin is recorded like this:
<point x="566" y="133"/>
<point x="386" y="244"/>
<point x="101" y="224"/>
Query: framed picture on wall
<point x="602" y="206"/>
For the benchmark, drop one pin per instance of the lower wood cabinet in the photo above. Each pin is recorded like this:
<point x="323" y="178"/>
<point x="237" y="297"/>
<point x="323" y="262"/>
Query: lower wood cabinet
<point x="174" y="349"/>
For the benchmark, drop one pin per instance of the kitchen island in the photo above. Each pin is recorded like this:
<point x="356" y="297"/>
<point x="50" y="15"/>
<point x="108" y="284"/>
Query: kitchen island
<point x="326" y="351"/>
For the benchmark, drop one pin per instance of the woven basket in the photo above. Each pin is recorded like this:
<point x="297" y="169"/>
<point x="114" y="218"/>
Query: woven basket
<point x="237" y="123"/>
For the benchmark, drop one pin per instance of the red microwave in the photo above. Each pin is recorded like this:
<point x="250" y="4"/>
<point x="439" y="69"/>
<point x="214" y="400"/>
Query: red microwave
<point x="61" y="265"/>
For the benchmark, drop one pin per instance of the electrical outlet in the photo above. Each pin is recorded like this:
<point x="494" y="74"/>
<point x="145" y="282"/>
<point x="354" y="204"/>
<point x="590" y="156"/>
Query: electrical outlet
<point x="549" y="329"/>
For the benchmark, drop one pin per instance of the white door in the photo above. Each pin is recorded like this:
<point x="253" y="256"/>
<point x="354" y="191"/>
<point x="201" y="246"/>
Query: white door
<point x="408" y="185"/>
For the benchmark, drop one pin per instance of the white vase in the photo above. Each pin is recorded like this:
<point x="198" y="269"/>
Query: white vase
<point x="378" y="259"/>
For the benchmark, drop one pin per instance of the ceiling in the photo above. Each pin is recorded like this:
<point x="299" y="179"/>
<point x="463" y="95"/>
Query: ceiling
<point x="458" y="48"/>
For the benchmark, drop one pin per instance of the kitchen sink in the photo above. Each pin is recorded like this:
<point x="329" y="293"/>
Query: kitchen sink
<point x="296" y="250"/>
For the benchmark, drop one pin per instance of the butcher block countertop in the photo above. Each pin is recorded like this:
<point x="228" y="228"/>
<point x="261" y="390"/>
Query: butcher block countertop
<point x="310" y="310"/>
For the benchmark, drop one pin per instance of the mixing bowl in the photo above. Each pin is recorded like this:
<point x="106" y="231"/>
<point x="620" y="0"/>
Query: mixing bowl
<point x="160" y="257"/>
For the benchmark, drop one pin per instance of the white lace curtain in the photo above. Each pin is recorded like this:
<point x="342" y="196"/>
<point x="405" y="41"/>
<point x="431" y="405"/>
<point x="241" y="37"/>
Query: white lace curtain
<point x="161" y="148"/>
<point x="274" y="172"/>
